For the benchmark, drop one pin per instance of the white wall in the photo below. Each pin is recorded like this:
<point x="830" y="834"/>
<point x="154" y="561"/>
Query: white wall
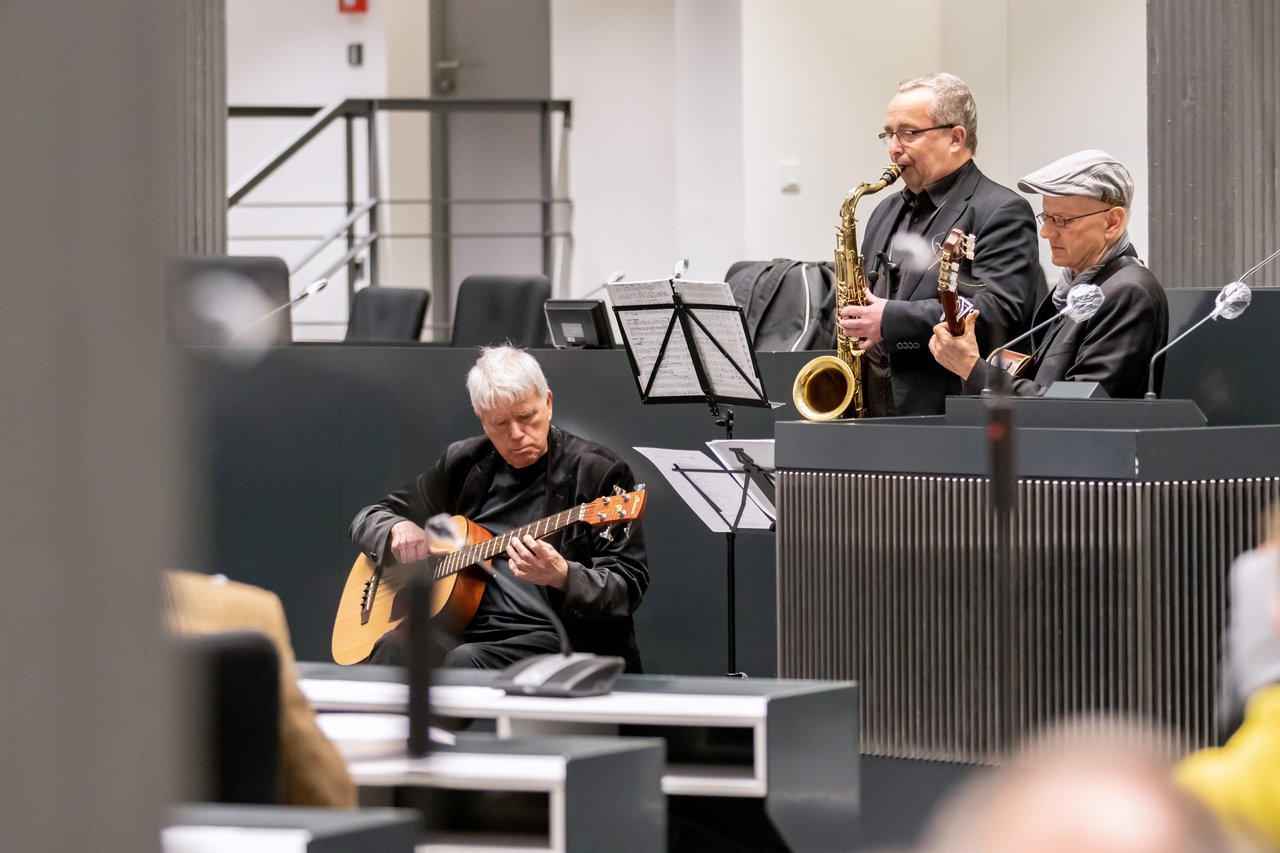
<point x="690" y="116"/>
<point x="294" y="52"/>
<point x="616" y="60"/>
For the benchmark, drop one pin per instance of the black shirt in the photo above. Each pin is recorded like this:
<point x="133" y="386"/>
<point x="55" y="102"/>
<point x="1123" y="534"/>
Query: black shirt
<point x="918" y="214"/>
<point x="517" y="496"/>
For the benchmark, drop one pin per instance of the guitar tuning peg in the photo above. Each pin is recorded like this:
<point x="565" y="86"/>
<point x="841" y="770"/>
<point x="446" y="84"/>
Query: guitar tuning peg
<point x="626" y="530"/>
<point x="639" y="487"/>
<point x="618" y="490"/>
<point x="607" y="534"/>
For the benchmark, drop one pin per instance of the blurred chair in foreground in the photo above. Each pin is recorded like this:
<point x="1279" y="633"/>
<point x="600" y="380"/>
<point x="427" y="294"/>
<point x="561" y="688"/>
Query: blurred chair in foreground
<point x="493" y="309"/>
<point x="387" y="314"/>
<point x="233" y="679"/>
<point x="209" y="298"/>
<point x="312" y="773"/>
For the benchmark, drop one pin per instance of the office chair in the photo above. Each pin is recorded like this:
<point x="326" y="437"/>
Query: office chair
<point x="186" y="312"/>
<point x="383" y="314"/>
<point x="493" y="309"/>
<point x="237" y="676"/>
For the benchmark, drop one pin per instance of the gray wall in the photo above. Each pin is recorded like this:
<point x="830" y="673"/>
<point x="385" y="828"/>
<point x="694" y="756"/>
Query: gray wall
<point x="87" y="475"/>
<point x="1214" y="81"/>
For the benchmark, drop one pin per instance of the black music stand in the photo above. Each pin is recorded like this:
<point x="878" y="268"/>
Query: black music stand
<point x="685" y="349"/>
<point x="710" y="360"/>
<point x="735" y="508"/>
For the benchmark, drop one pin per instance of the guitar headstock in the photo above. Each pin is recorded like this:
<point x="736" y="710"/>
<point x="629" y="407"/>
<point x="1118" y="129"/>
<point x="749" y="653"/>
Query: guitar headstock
<point x="615" y="509"/>
<point x="956" y="247"/>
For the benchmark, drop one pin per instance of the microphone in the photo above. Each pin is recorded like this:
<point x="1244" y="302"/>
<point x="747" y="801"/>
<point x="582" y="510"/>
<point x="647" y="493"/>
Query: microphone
<point x="1230" y="303"/>
<point x="312" y="289"/>
<point x="1083" y="301"/>
<point x="567" y="674"/>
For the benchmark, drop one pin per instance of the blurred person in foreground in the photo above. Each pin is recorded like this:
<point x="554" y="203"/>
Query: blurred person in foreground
<point x="1085" y="786"/>
<point x="1241" y="779"/>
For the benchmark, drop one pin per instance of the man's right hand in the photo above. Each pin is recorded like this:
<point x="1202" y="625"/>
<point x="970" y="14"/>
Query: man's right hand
<point x="409" y="542"/>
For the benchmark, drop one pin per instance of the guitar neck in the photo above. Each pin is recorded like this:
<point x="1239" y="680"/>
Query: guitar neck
<point x="951" y="308"/>
<point x="456" y="561"/>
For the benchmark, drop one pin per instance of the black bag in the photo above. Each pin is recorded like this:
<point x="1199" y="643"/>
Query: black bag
<point x="788" y="305"/>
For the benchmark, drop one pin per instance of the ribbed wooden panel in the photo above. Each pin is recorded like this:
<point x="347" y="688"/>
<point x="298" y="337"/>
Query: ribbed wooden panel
<point x="1116" y="589"/>
<point x="1213" y="86"/>
<point x="200" y="167"/>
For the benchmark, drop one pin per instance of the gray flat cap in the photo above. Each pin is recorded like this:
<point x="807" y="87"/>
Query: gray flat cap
<point x="1091" y="174"/>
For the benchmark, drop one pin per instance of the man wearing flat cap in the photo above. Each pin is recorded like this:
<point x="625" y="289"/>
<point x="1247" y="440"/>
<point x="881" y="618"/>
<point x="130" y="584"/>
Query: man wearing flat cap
<point x="1086" y="198"/>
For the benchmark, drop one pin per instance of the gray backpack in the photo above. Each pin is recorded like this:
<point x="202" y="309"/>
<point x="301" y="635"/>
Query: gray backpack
<point x="788" y="305"/>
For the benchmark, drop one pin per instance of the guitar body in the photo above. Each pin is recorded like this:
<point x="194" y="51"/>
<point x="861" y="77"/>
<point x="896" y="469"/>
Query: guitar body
<point x="368" y="607"/>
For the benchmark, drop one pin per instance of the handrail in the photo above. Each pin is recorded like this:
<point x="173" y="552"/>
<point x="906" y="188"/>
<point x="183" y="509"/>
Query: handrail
<point x="356" y="249"/>
<point x="333" y="235"/>
<point x="319" y="123"/>
<point x="324" y="116"/>
<point x="366" y="110"/>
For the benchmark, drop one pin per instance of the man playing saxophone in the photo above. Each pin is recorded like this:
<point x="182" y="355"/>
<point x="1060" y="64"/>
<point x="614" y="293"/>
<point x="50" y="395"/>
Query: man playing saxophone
<point x="931" y="130"/>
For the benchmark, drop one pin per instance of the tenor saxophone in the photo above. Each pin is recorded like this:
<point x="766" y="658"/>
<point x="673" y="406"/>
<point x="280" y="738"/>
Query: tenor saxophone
<point x="830" y="386"/>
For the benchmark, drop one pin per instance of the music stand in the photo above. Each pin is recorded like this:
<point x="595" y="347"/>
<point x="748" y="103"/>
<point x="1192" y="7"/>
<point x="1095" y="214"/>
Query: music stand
<point x="687" y="342"/>
<point x="727" y="498"/>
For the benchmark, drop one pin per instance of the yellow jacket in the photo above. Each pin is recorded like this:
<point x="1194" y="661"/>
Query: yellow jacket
<point x="1240" y="780"/>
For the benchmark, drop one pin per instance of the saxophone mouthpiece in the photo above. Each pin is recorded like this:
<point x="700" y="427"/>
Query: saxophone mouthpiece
<point x="891" y="173"/>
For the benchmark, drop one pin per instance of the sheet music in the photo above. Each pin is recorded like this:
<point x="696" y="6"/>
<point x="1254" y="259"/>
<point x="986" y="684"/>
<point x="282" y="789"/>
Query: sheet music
<point x="645" y="330"/>
<point x="761" y="452"/>
<point x="719" y="486"/>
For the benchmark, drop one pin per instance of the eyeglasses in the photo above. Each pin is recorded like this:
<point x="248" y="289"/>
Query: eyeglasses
<point x="906" y="136"/>
<point x="1060" y="222"/>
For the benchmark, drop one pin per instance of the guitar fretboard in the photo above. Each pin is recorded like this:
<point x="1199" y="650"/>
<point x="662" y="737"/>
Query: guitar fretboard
<point x="456" y="561"/>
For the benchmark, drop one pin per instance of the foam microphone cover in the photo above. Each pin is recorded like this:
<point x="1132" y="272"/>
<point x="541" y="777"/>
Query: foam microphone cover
<point x="1232" y="300"/>
<point x="1083" y="301"/>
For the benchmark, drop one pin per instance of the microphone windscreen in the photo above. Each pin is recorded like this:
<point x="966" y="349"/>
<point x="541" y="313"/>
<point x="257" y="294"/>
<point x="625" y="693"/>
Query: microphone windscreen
<point x="1083" y="301"/>
<point x="1232" y="300"/>
<point x="913" y="252"/>
<point x="443" y="530"/>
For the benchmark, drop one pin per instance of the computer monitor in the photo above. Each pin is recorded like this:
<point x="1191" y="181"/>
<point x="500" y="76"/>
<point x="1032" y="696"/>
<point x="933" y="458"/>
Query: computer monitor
<point x="578" y="323"/>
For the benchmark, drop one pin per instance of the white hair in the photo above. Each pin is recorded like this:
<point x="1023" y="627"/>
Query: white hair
<point x="504" y="375"/>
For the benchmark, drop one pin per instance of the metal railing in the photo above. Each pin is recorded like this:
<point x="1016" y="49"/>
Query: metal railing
<point x="366" y="241"/>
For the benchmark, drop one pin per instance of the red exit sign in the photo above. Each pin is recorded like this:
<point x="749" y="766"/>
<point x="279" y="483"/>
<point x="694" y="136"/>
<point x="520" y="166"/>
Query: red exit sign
<point x="353" y="6"/>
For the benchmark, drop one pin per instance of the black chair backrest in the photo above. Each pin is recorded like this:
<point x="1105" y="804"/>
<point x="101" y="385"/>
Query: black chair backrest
<point x="186" y="310"/>
<point x="494" y="309"/>
<point x="387" y="314"/>
<point x="237" y="674"/>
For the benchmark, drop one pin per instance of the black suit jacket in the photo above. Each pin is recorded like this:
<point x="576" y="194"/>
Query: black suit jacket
<point x="607" y="579"/>
<point x="1006" y="260"/>
<point x="1113" y="347"/>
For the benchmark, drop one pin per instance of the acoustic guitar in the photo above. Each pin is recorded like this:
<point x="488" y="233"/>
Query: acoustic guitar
<point x="368" y="607"/>
<point x="958" y="245"/>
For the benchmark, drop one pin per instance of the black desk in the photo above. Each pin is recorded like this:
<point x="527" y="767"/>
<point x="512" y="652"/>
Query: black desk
<point x="888" y="572"/>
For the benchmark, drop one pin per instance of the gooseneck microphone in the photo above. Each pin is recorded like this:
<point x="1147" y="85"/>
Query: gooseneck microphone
<point x="1083" y="301"/>
<point x="1229" y="303"/>
<point x="312" y="289"/>
<point x="562" y="674"/>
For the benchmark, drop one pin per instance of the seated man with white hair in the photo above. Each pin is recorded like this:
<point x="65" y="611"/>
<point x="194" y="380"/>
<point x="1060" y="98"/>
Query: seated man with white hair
<point x="1086" y="210"/>
<point x="521" y="471"/>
